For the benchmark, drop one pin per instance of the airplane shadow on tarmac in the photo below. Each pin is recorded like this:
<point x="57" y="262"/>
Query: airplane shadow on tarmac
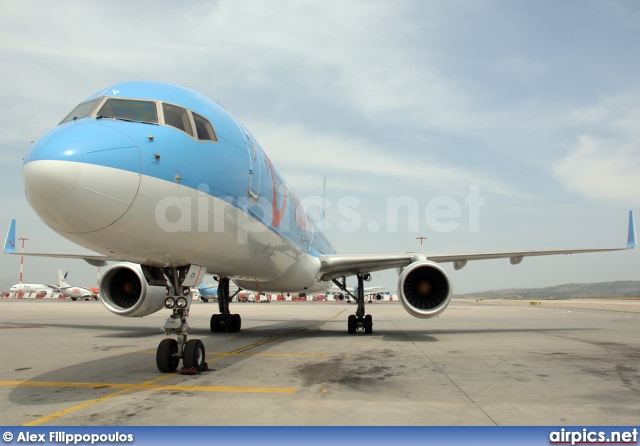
<point x="85" y="381"/>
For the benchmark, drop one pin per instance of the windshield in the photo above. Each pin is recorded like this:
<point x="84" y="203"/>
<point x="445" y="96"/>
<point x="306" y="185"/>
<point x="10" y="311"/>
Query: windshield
<point x="81" y="111"/>
<point x="129" y="110"/>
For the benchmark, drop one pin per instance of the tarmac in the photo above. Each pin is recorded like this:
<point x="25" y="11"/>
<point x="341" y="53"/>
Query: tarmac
<point x="489" y="362"/>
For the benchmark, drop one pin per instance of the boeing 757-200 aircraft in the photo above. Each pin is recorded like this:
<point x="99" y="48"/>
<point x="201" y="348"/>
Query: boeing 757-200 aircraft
<point x="168" y="181"/>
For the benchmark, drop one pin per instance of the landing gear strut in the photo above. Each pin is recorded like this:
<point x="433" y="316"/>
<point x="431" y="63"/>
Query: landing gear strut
<point x="360" y="320"/>
<point x="170" y="351"/>
<point x="225" y="321"/>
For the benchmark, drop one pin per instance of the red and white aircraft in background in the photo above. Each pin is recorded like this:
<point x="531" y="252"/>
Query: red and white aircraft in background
<point x="75" y="292"/>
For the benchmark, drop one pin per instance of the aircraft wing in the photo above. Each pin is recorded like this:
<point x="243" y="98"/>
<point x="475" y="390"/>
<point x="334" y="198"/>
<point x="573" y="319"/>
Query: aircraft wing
<point x="91" y="259"/>
<point x="334" y="266"/>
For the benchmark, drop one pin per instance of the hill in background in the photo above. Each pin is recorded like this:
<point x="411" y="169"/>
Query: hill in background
<point x="625" y="288"/>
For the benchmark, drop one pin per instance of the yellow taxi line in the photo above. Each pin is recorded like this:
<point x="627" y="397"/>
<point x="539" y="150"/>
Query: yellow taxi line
<point x="144" y="386"/>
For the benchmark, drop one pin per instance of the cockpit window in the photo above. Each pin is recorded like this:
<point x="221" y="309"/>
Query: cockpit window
<point x="81" y="111"/>
<point x="177" y="117"/>
<point x="129" y="110"/>
<point x="204" y="128"/>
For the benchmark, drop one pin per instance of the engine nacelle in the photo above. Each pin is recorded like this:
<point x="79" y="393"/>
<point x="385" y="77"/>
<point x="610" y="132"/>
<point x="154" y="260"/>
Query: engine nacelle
<point x="125" y="291"/>
<point x="424" y="289"/>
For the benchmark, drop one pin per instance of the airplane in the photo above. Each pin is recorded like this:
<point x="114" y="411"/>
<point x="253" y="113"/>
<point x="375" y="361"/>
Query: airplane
<point x="208" y="292"/>
<point x="27" y="289"/>
<point x="168" y="183"/>
<point x="74" y="292"/>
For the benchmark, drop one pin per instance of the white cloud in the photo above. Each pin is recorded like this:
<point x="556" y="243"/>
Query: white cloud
<point x="604" y="163"/>
<point x="602" y="170"/>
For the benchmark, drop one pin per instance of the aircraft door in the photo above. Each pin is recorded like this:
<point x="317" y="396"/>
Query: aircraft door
<point x="255" y="170"/>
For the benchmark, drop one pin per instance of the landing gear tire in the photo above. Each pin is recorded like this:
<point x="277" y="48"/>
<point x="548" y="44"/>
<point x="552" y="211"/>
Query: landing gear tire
<point x="351" y="324"/>
<point x="234" y="322"/>
<point x="368" y="324"/>
<point x="216" y="323"/>
<point x="165" y="359"/>
<point x="194" y="355"/>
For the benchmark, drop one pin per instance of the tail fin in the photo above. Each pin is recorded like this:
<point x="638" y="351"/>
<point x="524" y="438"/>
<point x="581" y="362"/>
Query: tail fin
<point x="321" y="212"/>
<point x="631" y="235"/>
<point x="10" y="242"/>
<point x="62" y="280"/>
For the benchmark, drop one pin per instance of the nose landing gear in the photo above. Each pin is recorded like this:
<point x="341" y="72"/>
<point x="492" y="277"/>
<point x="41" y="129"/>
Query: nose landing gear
<point x="170" y="351"/>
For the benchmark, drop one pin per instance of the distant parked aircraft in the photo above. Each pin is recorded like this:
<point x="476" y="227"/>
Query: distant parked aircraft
<point x="31" y="290"/>
<point x="75" y="292"/>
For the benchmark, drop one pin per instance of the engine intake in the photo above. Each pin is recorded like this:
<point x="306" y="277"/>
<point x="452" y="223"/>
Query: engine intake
<point x="125" y="291"/>
<point x="424" y="289"/>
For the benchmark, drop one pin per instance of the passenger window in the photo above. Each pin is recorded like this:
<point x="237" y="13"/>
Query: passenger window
<point x="204" y="128"/>
<point x="129" y="110"/>
<point x="81" y="111"/>
<point x="177" y="117"/>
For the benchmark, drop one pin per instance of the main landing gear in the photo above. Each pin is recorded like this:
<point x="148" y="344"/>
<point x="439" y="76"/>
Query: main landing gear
<point x="225" y="321"/>
<point x="170" y="351"/>
<point x="360" y="320"/>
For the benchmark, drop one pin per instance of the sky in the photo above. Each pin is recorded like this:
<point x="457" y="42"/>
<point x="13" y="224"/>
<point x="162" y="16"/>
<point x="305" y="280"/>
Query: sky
<point x="483" y="126"/>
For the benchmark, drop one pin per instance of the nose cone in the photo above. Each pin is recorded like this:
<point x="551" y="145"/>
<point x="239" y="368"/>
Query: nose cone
<point x="82" y="176"/>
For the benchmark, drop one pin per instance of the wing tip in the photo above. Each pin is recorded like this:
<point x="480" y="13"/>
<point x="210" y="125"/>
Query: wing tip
<point x="631" y="233"/>
<point x="10" y="241"/>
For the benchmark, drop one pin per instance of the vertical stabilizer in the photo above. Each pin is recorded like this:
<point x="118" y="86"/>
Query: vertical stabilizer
<point x="320" y="225"/>
<point x="322" y="210"/>
<point x="10" y="242"/>
<point x="62" y="279"/>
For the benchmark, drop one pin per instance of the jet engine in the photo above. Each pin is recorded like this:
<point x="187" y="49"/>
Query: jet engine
<point x="125" y="291"/>
<point x="424" y="289"/>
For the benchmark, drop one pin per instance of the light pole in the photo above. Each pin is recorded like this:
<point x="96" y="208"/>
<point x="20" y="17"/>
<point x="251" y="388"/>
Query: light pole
<point x="21" y="263"/>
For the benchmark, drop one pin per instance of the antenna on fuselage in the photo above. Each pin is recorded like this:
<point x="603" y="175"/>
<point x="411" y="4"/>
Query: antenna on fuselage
<point x="421" y="238"/>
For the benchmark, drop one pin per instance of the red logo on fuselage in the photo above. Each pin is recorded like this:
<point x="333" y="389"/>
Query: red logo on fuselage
<point x="276" y="213"/>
